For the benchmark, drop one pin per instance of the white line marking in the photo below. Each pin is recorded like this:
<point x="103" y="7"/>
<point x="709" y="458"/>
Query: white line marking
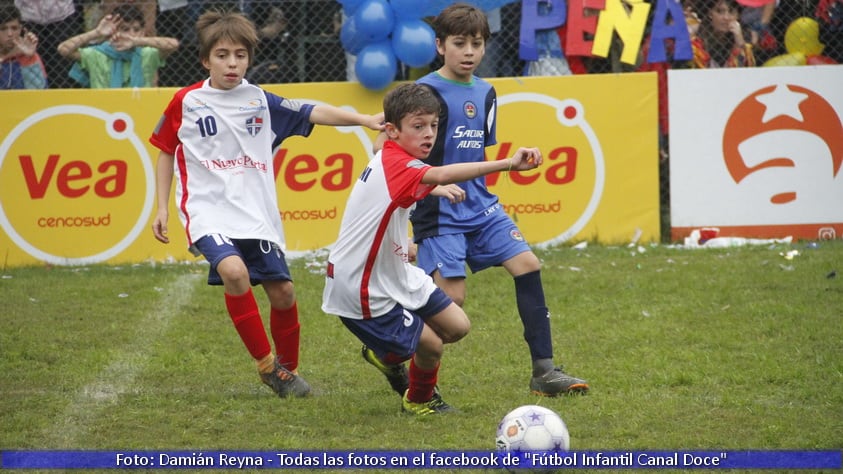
<point x="118" y="377"/>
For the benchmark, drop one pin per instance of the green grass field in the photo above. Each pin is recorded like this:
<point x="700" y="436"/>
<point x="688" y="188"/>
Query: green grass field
<point x="703" y="349"/>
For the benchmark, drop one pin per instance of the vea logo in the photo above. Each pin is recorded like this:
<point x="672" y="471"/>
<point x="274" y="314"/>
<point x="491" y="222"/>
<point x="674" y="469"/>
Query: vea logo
<point x="64" y="201"/>
<point x="554" y="202"/>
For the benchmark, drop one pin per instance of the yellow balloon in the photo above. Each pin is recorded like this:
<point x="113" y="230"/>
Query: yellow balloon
<point x="792" y="59"/>
<point x="803" y="36"/>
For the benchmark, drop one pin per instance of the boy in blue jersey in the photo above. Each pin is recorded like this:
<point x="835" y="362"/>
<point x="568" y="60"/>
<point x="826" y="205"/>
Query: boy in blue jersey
<point x="475" y="230"/>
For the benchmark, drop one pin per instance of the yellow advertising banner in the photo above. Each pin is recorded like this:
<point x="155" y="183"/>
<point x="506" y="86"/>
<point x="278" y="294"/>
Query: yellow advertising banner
<point x="77" y="173"/>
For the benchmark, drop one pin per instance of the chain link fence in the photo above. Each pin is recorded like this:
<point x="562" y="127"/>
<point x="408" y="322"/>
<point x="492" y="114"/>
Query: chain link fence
<point x="301" y="37"/>
<point x="300" y="42"/>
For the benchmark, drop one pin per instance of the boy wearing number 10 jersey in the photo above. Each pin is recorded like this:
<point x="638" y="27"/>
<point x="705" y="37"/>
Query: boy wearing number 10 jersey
<point x="217" y="137"/>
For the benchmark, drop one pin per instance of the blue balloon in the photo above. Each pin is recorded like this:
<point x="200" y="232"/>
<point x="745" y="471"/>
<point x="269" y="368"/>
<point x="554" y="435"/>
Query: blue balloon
<point x="376" y="65"/>
<point x="350" y="6"/>
<point x="374" y="20"/>
<point x="407" y="9"/>
<point x="414" y="43"/>
<point x="350" y="37"/>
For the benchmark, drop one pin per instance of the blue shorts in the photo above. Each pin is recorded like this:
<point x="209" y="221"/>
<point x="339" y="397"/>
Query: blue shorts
<point x="395" y="335"/>
<point x="264" y="259"/>
<point x="490" y="245"/>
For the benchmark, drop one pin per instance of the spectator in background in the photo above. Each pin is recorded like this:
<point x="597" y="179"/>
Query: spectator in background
<point x="720" y="40"/>
<point x="147" y="7"/>
<point x="116" y="53"/>
<point x="756" y="16"/>
<point x="52" y="21"/>
<point x="318" y="36"/>
<point x="174" y="20"/>
<point x="551" y="60"/>
<point x="830" y="18"/>
<point x="275" y="57"/>
<point x="20" y="65"/>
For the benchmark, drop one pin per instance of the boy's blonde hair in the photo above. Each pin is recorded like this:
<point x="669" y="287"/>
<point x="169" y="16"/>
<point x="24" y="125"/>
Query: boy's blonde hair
<point x="214" y="26"/>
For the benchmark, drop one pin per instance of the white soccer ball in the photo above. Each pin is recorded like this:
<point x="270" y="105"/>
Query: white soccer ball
<point x="532" y="428"/>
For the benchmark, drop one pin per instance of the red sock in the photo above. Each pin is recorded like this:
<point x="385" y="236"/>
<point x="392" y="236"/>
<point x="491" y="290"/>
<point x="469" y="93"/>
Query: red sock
<point x="285" y="328"/>
<point x="246" y="317"/>
<point x="422" y="383"/>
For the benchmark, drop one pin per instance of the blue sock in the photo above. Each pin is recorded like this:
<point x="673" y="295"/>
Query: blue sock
<point x="529" y="296"/>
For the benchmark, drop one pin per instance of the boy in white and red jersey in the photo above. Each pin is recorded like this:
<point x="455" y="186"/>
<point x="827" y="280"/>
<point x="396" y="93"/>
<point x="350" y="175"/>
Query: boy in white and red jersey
<point x="217" y="137"/>
<point x="391" y="305"/>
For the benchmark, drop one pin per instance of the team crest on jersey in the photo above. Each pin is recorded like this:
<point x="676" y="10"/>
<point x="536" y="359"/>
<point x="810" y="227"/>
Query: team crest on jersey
<point x="254" y="125"/>
<point x="515" y="234"/>
<point x="469" y="109"/>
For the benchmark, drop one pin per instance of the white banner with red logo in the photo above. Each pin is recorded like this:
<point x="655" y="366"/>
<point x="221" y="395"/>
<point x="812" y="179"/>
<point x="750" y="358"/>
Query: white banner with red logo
<point x="757" y="152"/>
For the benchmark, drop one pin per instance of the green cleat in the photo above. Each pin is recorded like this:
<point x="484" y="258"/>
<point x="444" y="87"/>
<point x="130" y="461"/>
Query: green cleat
<point x="395" y="374"/>
<point x="434" y="406"/>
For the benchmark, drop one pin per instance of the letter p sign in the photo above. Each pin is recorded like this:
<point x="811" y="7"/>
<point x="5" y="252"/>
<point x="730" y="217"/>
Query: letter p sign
<point x="539" y="15"/>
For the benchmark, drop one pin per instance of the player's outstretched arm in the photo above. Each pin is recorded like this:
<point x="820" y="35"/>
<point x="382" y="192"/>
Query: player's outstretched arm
<point x="524" y="159"/>
<point x="329" y="115"/>
<point x="163" y="182"/>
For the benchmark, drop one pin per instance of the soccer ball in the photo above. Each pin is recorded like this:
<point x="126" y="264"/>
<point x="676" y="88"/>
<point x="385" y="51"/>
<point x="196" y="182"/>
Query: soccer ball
<point x="532" y="428"/>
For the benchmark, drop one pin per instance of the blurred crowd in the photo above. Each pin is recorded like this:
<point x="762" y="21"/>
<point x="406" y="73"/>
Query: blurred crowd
<point x="145" y="43"/>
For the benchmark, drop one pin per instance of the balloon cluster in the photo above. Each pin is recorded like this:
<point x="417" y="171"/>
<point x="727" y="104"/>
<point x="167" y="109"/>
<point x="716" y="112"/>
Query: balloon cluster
<point x="381" y="33"/>
<point x="802" y="42"/>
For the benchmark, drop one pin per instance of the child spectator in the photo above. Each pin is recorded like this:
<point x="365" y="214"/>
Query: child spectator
<point x="20" y="65"/>
<point x="756" y="16"/>
<point x="116" y="53"/>
<point x="52" y="21"/>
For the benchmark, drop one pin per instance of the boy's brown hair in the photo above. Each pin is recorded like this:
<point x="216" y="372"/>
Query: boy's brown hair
<point x="213" y="27"/>
<point x="9" y="12"/>
<point x="461" y="19"/>
<point x="406" y="99"/>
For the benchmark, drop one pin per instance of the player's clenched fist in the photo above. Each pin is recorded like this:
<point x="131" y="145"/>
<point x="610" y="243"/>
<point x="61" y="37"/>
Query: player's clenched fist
<point x="525" y="159"/>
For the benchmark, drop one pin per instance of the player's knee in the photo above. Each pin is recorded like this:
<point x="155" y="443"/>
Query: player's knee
<point x="456" y="331"/>
<point x="523" y="263"/>
<point x="531" y="262"/>
<point x="459" y="334"/>
<point x="233" y="272"/>
<point x="282" y="295"/>
<point x="430" y="349"/>
<point x="456" y="293"/>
